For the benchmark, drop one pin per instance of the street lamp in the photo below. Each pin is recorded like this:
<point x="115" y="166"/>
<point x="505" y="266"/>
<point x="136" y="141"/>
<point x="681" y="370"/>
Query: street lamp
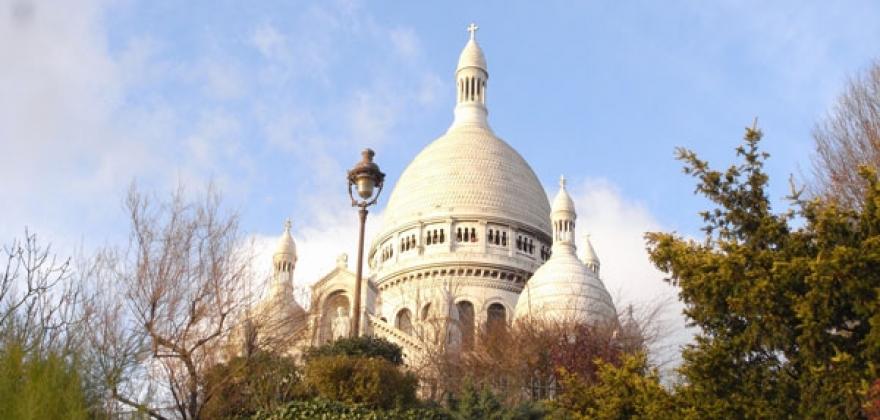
<point x="368" y="180"/>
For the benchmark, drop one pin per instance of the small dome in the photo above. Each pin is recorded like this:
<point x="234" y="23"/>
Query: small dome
<point x="472" y="55"/>
<point x="286" y="246"/>
<point x="589" y="255"/>
<point x="563" y="201"/>
<point x="564" y="289"/>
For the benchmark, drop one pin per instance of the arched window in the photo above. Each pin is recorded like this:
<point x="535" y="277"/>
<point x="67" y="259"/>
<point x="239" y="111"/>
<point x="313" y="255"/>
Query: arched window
<point x="496" y="318"/>
<point x="458" y="234"/>
<point x="503" y="238"/>
<point x="404" y="321"/>
<point x="491" y="236"/>
<point x="519" y="243"/>
<point x="466" y="320"/>
<point x="442" y="236"/>
<point x="473" y="235"/>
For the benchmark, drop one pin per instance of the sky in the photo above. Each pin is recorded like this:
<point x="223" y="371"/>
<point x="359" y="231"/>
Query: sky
<point x="273" y="100"/>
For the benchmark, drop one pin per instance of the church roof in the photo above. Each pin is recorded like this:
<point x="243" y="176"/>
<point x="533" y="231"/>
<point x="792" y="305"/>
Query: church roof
<point x="564" y="288"/>
<point x="468" y="171"/>
<point x="589" y="253"/>
<point x="472" y="55"/>
<point x="286" y="246"/>
<point x="563" y="201"/>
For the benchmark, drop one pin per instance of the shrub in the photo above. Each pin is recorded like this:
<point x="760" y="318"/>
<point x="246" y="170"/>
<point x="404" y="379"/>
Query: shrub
<point x="325" y="409"/>
<point x="34" y="386"/>
<point x="359" y="347"/>
<point x="245" y="385"/>
<point x="475" y="403"/>
<point x="371" y="381"/>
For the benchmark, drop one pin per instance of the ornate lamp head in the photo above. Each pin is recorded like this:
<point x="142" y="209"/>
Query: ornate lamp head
<point x="367" y="179"/>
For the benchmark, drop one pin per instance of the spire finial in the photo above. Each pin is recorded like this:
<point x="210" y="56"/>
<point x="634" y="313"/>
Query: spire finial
<point x="562" y="181"/>
<point x="287" y="225"/>
<point x="473" y="28"/>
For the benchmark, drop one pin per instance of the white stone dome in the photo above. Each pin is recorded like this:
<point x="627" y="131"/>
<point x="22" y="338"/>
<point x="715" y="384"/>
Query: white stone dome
<point x="472" y="56"/>
<point x="468" y="172"/>
<point x="285" y="249"/>
<point x="564" y="289"/>
<point x="563" y="201"/>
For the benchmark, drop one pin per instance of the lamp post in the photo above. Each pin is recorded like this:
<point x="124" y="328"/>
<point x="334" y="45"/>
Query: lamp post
<point x="368" y="180"/>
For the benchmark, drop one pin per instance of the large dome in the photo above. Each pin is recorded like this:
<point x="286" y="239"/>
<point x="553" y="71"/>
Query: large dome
<point x="468" y="171"/>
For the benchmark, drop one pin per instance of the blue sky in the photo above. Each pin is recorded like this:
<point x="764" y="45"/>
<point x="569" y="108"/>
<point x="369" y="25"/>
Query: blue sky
<point x="273" y="101"/>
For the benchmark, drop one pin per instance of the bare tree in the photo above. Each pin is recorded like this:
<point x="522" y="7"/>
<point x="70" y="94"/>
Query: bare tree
<point x="180" y="284"/>
<point x="526" y="360"/>
<point x="847" y="138"/>
<point x="40" y="303"/>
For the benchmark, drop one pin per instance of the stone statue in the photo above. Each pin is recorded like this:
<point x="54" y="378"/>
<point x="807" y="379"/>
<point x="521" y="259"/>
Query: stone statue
<point x="340" y="324"/>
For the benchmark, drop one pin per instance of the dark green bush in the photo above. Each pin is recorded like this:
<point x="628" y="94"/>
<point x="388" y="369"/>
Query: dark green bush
<point x="473" y="403"/>
<point x="359" y="347"/>
<point x="245" y="385"/>
<point x="325" y="409"/>
<point x="371" y="381"/>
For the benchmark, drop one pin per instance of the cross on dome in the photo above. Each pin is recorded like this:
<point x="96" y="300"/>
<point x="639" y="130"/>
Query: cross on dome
<point x="473" y="28"/>
<point x="562" y="181"/>
<point x="288" y="224"/>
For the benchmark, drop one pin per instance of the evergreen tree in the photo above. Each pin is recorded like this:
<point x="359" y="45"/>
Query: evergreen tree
<point x="39" y="386"/>
<point x="786" y="303"/>
<point x="629" y="391"/>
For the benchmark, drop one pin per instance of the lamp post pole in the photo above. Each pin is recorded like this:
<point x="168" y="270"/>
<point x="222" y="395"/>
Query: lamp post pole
<point x="367" y="179"/>
<point x="356" y="319"/>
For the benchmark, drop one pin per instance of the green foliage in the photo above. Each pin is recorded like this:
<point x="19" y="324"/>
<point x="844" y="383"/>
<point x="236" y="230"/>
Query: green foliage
<point x="630" y="391"/>
<point x="480" y="403"/>
<point x="245" y="385"/>
<point x="34" y="386"/>
<point x="364" y="346"/>
<point x="324" y="409"/>
<point x="787" y="304"/>
<point x="371" y="381"/>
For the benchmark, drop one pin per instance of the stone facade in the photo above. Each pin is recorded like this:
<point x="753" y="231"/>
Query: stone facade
<point x="466" y="227"/>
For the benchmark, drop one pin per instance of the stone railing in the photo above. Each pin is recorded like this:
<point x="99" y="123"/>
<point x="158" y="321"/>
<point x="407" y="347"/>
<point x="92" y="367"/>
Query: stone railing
<point x="411" y="347"/>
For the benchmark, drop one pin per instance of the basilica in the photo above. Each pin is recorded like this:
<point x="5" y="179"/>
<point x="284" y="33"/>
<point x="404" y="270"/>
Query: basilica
<point x="470" y="241"/>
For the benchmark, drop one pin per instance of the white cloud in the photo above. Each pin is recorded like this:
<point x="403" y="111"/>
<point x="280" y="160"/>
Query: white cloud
<point x="270" y="42"/>
<point x="405" y="41"/>
<point x="371" y="115"/>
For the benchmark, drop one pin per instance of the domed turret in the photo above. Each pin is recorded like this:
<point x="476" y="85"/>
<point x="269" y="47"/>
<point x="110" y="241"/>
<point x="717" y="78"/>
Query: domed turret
<point x="278" y="314"/>
<point x="285" y="251"/>
<point x="563" y="216"/>
<point x="564" y="288"/>
<point x="471" y="77"/>
<point x="589" y="257"/>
